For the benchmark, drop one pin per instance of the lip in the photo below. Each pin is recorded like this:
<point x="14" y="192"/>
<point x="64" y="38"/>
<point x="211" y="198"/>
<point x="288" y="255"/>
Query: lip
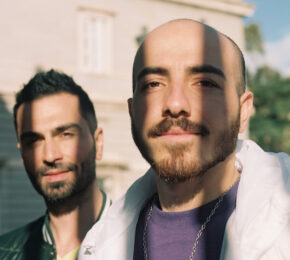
<point x="177" y="134"/>
<point x="178" y="131"/>
<point x="54" y="172"/>
<point x="55" y="175"/>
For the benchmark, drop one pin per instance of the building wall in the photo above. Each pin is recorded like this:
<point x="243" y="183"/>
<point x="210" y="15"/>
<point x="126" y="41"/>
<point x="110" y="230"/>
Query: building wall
<point x="48" y="34"/>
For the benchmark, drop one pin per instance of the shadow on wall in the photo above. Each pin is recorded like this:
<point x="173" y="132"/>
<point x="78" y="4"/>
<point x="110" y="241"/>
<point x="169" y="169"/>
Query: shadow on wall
<point x="19" y="202"/>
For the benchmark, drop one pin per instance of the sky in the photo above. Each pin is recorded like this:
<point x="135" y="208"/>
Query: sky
<point x="274" y="19"/>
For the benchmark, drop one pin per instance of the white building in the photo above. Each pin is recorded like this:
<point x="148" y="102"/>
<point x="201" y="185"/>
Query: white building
<point x="94" y="41"/>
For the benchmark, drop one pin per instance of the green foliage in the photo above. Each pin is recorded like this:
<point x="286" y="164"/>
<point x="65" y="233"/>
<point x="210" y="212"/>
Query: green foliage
<point x="270" y="125"/>
<point x="254" y="39"/>
<point x="264" y="76"/>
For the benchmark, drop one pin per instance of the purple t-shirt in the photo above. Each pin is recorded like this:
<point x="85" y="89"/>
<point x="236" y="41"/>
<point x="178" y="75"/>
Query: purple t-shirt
<point x="171" y="235"/>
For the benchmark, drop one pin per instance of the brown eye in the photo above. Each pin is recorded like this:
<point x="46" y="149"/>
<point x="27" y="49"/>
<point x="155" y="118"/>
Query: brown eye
<point x="152" y="84"/>
<point x="207" y="84"/>
<point x="30" y="142"/>
<point x="67" y="134"/>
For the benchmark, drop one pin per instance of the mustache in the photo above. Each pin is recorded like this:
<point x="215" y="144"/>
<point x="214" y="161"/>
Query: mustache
<point x="183" y="123"/>
<point x="60" y="166"/>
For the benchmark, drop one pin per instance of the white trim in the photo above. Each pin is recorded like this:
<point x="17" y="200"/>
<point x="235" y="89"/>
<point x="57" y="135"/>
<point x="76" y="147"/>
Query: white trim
<point x="95" y="42"/>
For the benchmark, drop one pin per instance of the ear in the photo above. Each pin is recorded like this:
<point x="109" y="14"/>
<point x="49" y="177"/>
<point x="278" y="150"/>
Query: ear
<point x="99" y="141"/>
<point x="129" y="101"/>
<point x="20" y="149"/>
<point x="246" y="109"/>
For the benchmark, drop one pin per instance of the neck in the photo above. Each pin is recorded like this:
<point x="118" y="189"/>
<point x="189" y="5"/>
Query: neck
<point x="198" y="190"/>
<point x="70" y="221"/>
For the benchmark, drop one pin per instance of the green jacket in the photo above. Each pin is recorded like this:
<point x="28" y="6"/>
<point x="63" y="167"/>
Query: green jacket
<point x="27" y="242"/>
<point x="34" y="241"/>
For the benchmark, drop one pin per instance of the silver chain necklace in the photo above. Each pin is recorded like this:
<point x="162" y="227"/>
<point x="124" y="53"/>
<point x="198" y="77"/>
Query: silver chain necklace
<point x="203" y="226"/>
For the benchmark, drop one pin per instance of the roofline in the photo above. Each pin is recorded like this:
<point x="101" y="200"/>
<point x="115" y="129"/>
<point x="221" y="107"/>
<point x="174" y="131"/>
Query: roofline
<point x="226" y="6"/>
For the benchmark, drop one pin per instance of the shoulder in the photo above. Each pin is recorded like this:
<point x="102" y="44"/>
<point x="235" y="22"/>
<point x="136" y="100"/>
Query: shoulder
<point x="284" y="160"/>
<point x="15" y="240"/>
<point x="265" y="175"/>
<point x="117" y="228"/>
<point x="249" y="152"/>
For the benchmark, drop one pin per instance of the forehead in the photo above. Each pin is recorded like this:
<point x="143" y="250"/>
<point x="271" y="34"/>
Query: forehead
<point x="186" y="44"/>
<point x="48" y="112"/>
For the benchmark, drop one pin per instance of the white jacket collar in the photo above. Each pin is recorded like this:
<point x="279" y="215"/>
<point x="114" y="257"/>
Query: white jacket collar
<point x="261" y="213"/>
<point x="263" y="203"/>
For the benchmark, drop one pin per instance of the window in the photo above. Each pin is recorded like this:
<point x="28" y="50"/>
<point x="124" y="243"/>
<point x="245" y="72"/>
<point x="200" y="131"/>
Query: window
<point x="95" y="42"/>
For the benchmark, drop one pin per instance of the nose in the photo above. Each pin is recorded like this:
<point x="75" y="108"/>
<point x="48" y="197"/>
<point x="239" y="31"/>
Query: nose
<point x="51" y="152"/>
<point x="176" y="101"/>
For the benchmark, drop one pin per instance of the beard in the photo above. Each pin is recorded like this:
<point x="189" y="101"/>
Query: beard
<point x="181" y="165"/>
<point x="76" y="183"/>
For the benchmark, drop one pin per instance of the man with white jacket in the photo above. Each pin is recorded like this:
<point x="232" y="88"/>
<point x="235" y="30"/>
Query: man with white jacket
<point x="207" y="195"/>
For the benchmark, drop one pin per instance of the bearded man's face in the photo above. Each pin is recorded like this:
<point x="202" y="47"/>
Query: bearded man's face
<point x="185" y="110"/>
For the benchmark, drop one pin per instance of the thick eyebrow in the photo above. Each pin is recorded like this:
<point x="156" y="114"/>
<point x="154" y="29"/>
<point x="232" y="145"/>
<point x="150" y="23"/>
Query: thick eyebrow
<point x="63" y="128"/>
<point x="29" y="134"/>
<point x="151" y="70"/>
<point x="207" y="69"/>
<point x="194" y="69"/>
<point x="59" y="129"/>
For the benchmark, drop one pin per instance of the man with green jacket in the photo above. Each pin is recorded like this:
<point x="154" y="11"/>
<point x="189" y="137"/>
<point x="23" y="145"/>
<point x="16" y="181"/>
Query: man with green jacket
<point x="59" y="141"/>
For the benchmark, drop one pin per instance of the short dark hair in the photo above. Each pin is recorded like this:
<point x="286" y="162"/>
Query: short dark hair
<point x="54" y="82"/>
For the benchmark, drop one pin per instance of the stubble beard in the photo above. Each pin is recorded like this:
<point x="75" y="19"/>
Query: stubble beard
<point x="180" y="165"/>
<point x="61" y="191"/>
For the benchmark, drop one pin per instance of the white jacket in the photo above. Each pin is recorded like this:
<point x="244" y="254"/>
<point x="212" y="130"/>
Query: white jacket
<point x="259" y="227"/>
